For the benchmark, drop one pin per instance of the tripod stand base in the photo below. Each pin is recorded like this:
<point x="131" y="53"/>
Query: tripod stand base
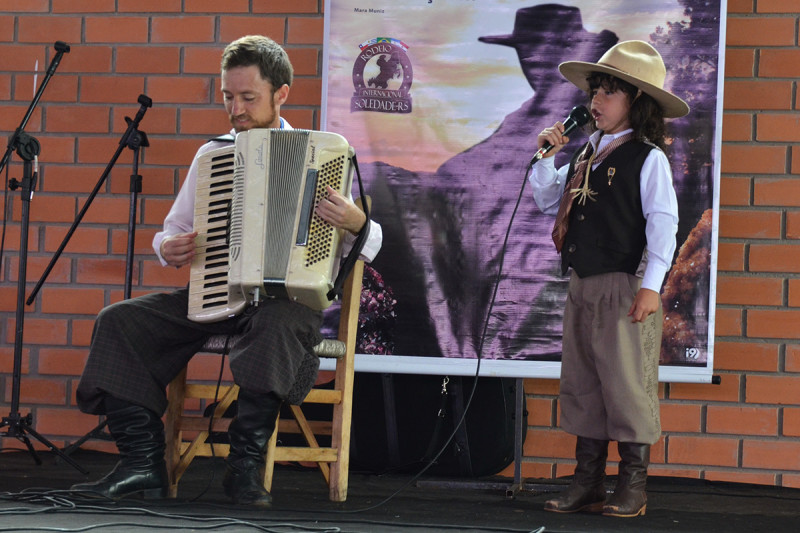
<point x="19" y="427"/>
<point x="96" y="433"/>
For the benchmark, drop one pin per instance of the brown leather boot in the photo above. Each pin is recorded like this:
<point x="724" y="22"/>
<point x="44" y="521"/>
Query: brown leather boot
<point x="586" y="492"/>
<point x="629" y="498"/>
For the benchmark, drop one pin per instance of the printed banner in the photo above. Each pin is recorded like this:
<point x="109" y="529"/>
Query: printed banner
<point x="442" y="101"/>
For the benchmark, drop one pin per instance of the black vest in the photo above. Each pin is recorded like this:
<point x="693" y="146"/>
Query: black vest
<point x="608" y="234"/>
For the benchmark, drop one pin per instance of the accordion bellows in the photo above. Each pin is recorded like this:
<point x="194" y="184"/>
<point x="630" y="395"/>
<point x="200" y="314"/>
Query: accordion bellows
<point x="258" y="235"/>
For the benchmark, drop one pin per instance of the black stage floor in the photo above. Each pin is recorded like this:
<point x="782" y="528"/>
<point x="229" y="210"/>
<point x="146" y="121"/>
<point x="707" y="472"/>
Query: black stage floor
<point x="35" y="498"/>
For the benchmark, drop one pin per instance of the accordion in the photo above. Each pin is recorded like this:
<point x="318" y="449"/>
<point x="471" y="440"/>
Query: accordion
<point x="257" y="233"/>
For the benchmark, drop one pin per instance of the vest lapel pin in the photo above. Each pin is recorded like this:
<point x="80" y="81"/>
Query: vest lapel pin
<point x="611" y="172"/>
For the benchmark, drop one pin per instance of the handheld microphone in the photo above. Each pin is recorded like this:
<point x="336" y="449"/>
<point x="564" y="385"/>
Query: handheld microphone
<point x="577" y="118"/>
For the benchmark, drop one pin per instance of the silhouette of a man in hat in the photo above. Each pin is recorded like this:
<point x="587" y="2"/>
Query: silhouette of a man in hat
<point x="475" y="196"/>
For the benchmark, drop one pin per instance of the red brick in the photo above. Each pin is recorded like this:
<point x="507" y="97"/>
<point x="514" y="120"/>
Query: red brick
<point x="180" y="29"/>
<point x="742" y="420"/>
<point x="175" y="152"/>
<point x="772" y="324"/>
<point x="63" y="88"/>
<point x="76" y="119"/>
<point x="40" y="391"/>
<point x="777" y="127"/>
<point x="285" y="6"/>
<point x="779" y="63"/>
<point x="169" y="89"/>
<point x="746" y="356"/>
<point x="737" y="127"/>
<point x="792" y="358"/>
<point x="40" y="331"/>
<point x="305" y="30"/>
<point x="102" y="271"/>
<point x="84" y="239"/>
<point x="82" y="331"/>
<point x="549" y="443"/>
<point x="305" y="91"/>
<point x="37" y="29"/>
<point x="538" y="386"/>
<point x="541" y="411"/>
<point x="305" y="61"/>
<point x="301" y="118"/>
<point x="680" y="417"/>
<point x="22" y="58"/>
<point x="154" y="275"/>
<point x="775" y="258"/>
<point x="202" y="59"/>
<point x="730" y="257"/>
<point x="791" y="422"/>
<point x="749" y="290"/>
<point x="111" y="89"/>
<point x="726" y="391"/>
<point x="760" y="31"/>
<point x="204" y="121"/>
<point x="121" y="30"/>
<point x="156" y="120"/>
<point x="68" y="422"/>
<point x="234" y="27"/>
<point x="86" y="59"/>
<point x="728" y="322"/>
<point x="149" y="6"/>
<point x="157" y="210"/>
<point x="83" y="6"/>
<point x="794" y="293"/>
<point x="780" y="192"/>
<point x="148" y="60"/>
<point x="748" y="159"/>
<point x="72" y="301"/>
<point x="749" y="224"/>
<point x="758" y="94"/>
<point x="741" y="6"/>
<point x="792" y="225"/>
<point x="213" y="6"/>
<point x="739" y="63"/>
<point x="65" y="362"/>
<point x="776" y="6"/>
<point x="782" y="455"/>
<point x="713" y="451"/>
<point x="778" y="390"/>
<point x="205" y="367"/>
<point x="7" y="358"/>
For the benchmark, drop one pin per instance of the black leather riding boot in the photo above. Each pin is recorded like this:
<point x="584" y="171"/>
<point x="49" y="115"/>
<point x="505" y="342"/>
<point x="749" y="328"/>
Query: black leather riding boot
<point x="139" y="435"/>
<point x="586" y="492"/>
<point x="630" y="498"/>
<point x="249" y="433"/>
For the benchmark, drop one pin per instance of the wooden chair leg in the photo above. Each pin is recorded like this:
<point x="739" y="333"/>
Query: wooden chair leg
<point x="269" y="466"/>
<point x="175" y="395"/>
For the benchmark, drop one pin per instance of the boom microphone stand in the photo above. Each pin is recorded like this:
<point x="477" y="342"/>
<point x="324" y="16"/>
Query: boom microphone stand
<point x="28" y="149"/>
<point x="134" y="139"/>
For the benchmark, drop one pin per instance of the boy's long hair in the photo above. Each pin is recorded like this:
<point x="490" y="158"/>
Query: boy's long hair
<point x="646" y="116"/>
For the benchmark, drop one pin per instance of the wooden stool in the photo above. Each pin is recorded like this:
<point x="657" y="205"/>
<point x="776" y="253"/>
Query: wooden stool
<point x="333" y="461"/>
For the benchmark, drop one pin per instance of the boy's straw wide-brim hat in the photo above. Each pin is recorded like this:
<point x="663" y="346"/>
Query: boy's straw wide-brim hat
<point x="637" y="63"/>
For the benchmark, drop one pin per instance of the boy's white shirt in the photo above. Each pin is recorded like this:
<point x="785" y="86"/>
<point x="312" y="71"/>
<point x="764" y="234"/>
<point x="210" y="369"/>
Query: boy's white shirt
<point x="659" y="205"/>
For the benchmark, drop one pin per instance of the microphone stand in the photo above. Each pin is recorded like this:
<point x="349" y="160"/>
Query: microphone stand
<point x="131" y="138"/>
<point x="28" y="148"/>
<point x="134" y="139"/>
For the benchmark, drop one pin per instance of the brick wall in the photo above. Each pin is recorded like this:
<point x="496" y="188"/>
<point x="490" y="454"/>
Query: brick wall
<point x="746" y="429"/>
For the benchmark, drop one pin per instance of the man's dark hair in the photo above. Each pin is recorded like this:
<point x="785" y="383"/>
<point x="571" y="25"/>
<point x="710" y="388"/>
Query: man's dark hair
<point x="646" y="116"/>
<point x="270" y="57"/>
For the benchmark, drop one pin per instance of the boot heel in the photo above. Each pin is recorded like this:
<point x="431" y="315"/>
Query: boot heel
<point x="159" y="493"/>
